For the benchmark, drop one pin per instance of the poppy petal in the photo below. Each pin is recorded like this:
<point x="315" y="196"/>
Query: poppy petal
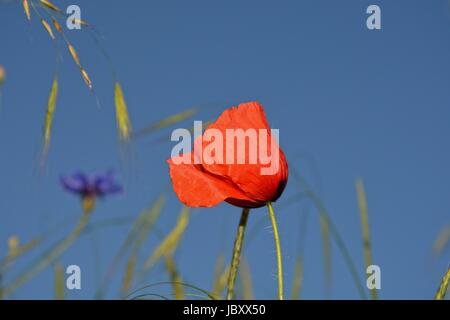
<point x="197" y="188"/>
<point x="248" y="176"/>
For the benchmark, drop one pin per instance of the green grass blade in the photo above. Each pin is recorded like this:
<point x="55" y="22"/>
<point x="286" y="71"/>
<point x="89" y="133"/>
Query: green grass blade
<point x="442" y="291"/>
<point x="298" y="279"/>
<point x="334" y="233"/>
<point x="364" y="214"/>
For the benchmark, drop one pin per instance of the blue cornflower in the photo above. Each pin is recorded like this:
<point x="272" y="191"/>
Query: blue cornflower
<point x="91" y="187"/>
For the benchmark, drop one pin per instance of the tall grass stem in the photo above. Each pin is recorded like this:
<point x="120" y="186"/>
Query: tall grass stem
<point x="276" y="236"/>
<point x="237" y="252"/>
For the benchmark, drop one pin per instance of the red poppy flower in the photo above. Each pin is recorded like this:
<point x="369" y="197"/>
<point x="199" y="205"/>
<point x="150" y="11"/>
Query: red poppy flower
<point x="206" y="184"/>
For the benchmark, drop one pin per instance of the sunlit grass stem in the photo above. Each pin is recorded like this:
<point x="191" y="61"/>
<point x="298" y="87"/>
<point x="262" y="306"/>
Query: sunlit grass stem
<point x="440" y="294"/>
<point x="276" y="236"/>
<point x="237" y="252"/>
<point x="364" y="214"/>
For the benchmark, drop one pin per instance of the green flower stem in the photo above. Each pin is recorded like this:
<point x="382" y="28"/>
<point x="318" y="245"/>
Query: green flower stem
<point x="237" y="252"/>
<point x="48" y="258"/>
<point x="278" y="250"/>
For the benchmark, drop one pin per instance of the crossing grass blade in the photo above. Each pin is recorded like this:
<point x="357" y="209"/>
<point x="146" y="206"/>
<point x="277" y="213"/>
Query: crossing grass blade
<point x="309" y="193"/>
<point x="166" y="122"/>
<point x="129" y="272"/>
<point x="59" y="281"/>
<point x="16" y="250"/>
<point x="326" y="248"/>
<point x="184" y="284"/>
<point x="47" y="258"/>
<point x="364" y="214"/>
<point x="220" y="275"/>
<point x="175" y="278"/>
<point x="246" y="280"/>
<point x="171" y="241"/>
<point x="145" y="223"/>
<point x="298" y="279"/>
<point x="146" y="218"/>
<point x="443" y="288"/>
<point x="122" y="117"/>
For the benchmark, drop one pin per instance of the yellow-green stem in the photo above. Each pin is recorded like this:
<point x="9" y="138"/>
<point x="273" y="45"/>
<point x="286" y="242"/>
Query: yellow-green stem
<point x="440" y="294"/>
<point x="276" y="236"/>
<point x="237" y="252"/>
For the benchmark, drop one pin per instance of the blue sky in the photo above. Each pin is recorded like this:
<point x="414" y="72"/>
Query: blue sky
<point x="348" y="102"/>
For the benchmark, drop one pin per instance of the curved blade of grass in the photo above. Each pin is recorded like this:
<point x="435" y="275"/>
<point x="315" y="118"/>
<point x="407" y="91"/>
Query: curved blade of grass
<point x="59" y="281"/>
<point x="175" y="278"/>
<point x="144" y="295"/>
<point x="129" y="272"/>
<point x="191" y="130"/>
<point x="184" y="284"/>
<point x="166" y="122"/>
<point x="364" y="214"/>
<point x="170" y="242"/>
<point x="122" y="118"/>
<point x="145" y="226"/>
<point x="326" y="247"/>
<point x="442" y="291"/>
<point x="246" y="280"/>
<point x="221" y="282"/>
<point x="334" y="233"/>
<point x="18" y="251"/>
<point x="36" y="241"/>
<point x="298" y="279"/>
<point x="218" y="271"/>
<point x="47" y="258"/>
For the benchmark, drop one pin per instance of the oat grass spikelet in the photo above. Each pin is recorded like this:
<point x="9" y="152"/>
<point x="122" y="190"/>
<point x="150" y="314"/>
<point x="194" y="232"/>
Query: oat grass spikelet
<point x="26" y="9"/>
<point x="49" y="5"/>
<point x="48" y="123"/>
<point x="47" y="27"/>
<point x="122" y="117"/>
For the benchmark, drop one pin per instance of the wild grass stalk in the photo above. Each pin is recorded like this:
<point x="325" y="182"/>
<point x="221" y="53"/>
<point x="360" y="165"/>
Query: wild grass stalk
<point x="443" y="288"/>
<point x="364" y="214"/>
<point x="334" y="233"/>
<point x="235" y="259"/>
<point x="48" y="258"/>
<point x="276" y="237"/>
